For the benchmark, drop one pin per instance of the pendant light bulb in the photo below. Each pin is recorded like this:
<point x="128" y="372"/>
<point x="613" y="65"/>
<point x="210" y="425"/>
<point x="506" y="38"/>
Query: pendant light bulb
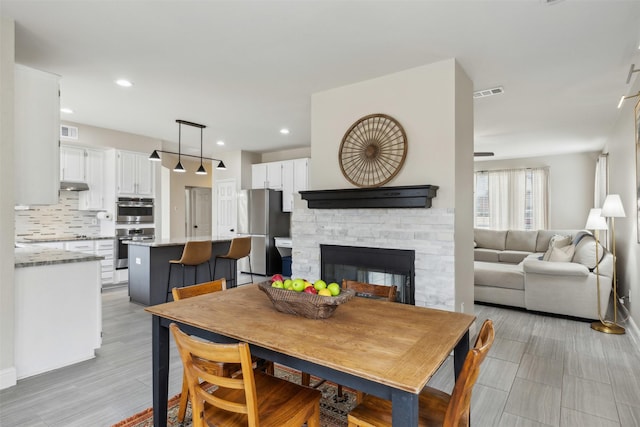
<point x="155" y="156"/>
<point x="221" y="166"/>
<point x="201" y="170"/>
<point x="179" y="168"/>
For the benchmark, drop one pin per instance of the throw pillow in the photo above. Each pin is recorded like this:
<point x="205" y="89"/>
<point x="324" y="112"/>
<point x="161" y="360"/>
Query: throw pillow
<point x="557" y="240"/>
<point x="563" y="254"/>
<point x="585" y="253"/>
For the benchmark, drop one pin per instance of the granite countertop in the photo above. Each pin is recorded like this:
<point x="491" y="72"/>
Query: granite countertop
<point x="64" y="238"/>
<point x="36" y="256"/>
<point x="173" y="242"/>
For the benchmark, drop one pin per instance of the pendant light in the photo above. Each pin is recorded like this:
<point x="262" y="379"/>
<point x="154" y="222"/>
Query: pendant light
<point x="201" y="170"/>
<point x="179" y="167"/>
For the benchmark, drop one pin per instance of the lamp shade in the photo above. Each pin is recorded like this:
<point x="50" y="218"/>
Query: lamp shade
<point x="201" y="170"/>
<point x="154" y="156"/>
<point x="221" y="166"/>
<point x="179" y="167"/>
<point x="596" y="221"/>
<point x="612" y="207"/>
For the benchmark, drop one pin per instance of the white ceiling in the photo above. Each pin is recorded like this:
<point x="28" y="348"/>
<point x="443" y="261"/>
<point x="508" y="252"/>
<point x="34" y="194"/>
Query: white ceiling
<point x="247" y="69"/>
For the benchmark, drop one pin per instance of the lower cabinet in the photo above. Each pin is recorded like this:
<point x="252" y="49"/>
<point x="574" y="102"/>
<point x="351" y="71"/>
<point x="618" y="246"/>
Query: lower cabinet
<point x="103" y="248"/>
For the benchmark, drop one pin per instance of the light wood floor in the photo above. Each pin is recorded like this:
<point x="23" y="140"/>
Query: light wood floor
<point x="541" y="371"/>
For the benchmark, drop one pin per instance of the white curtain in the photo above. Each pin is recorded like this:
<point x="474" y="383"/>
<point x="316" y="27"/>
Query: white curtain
<point x="517" y="199"/>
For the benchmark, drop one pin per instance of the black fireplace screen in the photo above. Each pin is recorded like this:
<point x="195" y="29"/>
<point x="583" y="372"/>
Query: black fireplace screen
<point x="370" y="265"/>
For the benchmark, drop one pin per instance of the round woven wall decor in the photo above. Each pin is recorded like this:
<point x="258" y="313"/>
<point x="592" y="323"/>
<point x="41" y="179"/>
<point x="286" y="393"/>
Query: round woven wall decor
<point x="373" y="150"/>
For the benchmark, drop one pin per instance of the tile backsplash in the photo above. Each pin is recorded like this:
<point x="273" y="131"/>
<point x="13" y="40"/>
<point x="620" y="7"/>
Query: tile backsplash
<point x="63" y="219"/>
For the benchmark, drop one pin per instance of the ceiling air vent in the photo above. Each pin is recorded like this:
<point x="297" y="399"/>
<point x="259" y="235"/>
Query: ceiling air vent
<point x="488" y="92"/>
<point x="68" y="132"/>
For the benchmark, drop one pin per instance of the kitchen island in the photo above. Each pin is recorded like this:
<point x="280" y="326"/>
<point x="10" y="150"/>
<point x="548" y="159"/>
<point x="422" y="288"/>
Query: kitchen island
<point x="149" y="267"/>
<point x="58" y="318"/>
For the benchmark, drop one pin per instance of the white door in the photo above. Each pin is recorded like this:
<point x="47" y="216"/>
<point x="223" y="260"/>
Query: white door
<point x="227" y="208"/>
<point x="202" y="212"/>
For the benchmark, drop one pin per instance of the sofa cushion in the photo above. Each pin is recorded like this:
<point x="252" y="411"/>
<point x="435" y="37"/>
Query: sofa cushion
<point x="521" y="240"/>
<point x="500" y="275"/>
<point x="585" y="252"/>
<point x="490" y="239"/>
<point x="544" y="236"/>
<point x="558" y="241"/>
<point x="562" y="254"/>
<point x="486" y="255"/>
<point x="512" y="257"/>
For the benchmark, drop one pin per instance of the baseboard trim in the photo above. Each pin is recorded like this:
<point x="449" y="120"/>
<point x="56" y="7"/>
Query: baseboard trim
<point x="8" y="378"/>
<point x="632" y="328"/>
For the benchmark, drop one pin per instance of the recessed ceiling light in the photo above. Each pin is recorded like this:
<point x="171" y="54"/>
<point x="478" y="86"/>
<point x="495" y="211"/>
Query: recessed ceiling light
<point x="220" y="142"/>
<point x="284" y="131"/>
<point x="66" y="110"/>
<point x="124" y="83"/>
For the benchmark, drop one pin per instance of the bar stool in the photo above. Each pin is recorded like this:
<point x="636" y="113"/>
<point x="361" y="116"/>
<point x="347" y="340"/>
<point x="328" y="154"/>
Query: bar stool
<point x="194" y="254"/>
<point x="240" y="248"/>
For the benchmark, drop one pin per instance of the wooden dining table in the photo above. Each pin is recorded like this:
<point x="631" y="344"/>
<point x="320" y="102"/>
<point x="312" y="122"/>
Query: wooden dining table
<point x="386" y="349"/>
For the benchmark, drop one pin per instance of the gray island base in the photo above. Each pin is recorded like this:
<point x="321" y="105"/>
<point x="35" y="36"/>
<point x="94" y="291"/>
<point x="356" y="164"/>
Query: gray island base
<point x="149" y="268"/>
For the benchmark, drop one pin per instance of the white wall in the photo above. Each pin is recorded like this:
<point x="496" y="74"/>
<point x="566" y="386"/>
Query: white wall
<point x="622" y="180"/>
<point x="7" y="362"/>
<point x="571" y="182"/>
<point x="434" y="104"/>
<point x="421" y="99"/>
<point x="294" y="153"/>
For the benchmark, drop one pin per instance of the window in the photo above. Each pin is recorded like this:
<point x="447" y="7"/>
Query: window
<point x="511" y="199"/>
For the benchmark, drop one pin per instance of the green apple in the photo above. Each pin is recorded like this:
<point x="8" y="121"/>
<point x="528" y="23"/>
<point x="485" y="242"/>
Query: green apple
<point x="298" y="285"/>
<point x="334" y="288"/>
<point x="319" y="284"/>
<point x="288" y="283"/>
<point x="277" y="284"/>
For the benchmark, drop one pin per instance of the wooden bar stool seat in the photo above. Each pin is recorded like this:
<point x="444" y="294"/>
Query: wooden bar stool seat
<point x="240" y="248"/>
<point x="194" y="254"/>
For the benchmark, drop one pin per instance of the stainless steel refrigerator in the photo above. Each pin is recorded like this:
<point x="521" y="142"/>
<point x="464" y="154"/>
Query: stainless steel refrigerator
<point x="260" y="216"/>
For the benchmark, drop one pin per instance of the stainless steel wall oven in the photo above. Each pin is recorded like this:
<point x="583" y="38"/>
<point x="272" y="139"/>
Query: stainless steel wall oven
<point x="134" y="210"/>
<point x="122" y="248"/>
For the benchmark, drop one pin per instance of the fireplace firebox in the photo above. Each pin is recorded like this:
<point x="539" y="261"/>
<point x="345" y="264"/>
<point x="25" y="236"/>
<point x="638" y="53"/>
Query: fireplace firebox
<point x="381" y="266"/>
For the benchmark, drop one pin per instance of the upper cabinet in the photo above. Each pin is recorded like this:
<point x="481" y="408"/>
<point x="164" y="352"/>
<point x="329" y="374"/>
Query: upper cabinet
<point x="135" y="174"/>
<point x="72" y="164"/>
<point x="290" y="176"/>
<point x="93" y="199"/>
<point x="37" y="130"/>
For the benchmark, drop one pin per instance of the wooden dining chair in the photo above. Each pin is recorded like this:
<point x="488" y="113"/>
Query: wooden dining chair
<point x="367" y="290"/>
<point x="222" y="369"/>
<point x="240" y="248"/>
<point x="253" y="398"/>
<point x="194" y="254"/>
<point x="436" y="408"/>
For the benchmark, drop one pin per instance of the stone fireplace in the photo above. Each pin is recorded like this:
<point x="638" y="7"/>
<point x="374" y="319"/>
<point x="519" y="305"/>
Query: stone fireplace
<point x="427" y="232"/>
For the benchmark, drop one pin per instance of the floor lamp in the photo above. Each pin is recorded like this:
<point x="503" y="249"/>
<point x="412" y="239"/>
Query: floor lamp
<point x="597" y="222"/>
<point x="612" y="208"/>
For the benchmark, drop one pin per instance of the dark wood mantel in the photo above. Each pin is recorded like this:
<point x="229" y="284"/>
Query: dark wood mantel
<point x="412" y="196"/>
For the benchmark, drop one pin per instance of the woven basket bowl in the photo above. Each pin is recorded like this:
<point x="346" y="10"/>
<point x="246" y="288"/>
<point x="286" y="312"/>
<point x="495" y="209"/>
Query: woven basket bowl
<point x="304" y="304"/>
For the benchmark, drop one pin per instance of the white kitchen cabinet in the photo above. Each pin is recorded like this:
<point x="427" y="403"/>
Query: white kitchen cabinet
<point x="267" y="175"/>
<point x="274" y="175"/>
<point x="93" y="198"/>
<point x="300" y="175"/>
<point x="135" y="174"/>
<point x="72" y="164"/>
<point x="37" y="130"/>
<point x="103" y="248"/>
<point x="287" y="186"/>
<point x="259" y="176"/>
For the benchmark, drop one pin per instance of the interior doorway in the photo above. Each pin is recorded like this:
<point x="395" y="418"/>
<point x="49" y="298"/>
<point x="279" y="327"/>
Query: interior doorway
<point x="227" y="206"/>
<point x="198" y="212"/>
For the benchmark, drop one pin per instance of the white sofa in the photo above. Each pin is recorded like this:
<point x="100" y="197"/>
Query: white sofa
<point x="509" y="270"/>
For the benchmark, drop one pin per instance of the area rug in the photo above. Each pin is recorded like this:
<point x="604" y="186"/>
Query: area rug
<point x="333" y="409"/>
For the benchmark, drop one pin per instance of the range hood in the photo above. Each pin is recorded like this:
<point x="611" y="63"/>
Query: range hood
<point x="73" y="186"/>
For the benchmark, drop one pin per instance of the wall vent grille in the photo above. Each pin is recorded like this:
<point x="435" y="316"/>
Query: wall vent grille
<point x="68" y="132"/>
<point x="488" y="92"/>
